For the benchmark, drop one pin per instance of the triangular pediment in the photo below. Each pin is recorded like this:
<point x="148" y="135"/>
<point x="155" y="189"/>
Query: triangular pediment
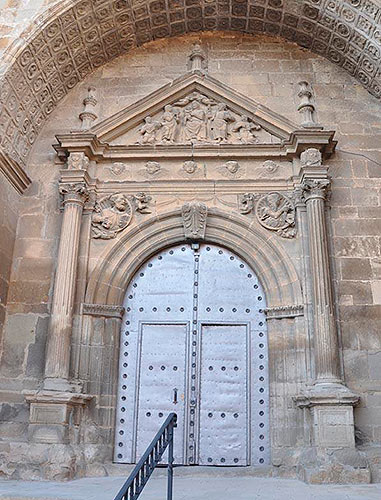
<point x="194" y="109"/>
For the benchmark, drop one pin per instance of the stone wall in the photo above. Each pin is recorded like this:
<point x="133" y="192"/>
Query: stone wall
<point x="267" y="70"/>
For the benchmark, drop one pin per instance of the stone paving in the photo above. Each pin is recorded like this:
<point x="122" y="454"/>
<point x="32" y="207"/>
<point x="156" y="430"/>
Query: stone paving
<point x="186" y="488"/>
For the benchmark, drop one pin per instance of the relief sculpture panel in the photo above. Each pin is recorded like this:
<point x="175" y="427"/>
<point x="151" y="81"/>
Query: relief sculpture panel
<point x="198" y="118"/>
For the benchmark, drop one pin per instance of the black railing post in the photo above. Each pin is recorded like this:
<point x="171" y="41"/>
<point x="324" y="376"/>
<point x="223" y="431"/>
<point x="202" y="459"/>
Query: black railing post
<point x="146" y="465"/>
<point x="170" y="460"/>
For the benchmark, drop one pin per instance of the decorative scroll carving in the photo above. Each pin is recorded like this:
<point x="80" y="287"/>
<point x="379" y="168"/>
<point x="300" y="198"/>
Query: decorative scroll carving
<point x="103" y="310"/>
<point x="197" y="118"/>
<point x="77" y="161"/>
<point x="284" y="312"/>
<point x="310" y="158"/>
<point x="315" y="188"/>
<point x="276" y="212"/>
<point x="111" y="215"/>
<point x="194" y="216"/>
<point x="141" y="203"/>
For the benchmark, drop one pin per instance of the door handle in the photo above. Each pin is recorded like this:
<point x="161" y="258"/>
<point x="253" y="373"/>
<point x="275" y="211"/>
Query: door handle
<point x="175" y="396"/>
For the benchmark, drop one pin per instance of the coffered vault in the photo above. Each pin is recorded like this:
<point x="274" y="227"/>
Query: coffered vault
<point x="73" y="38"/>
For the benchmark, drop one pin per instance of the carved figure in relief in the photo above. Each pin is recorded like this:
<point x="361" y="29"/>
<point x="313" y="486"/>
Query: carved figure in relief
<point x="246" y="203"/>
<point x="245" y="128"/>
<point x="190" y="166"/>
<point x="153" y="167"/>
<point x="168" y="124"/>
<point x="194" y="121"/>
<point x="232" y="166"/>
<point x="219" y="120"/>
<point x="276" y="212"/>
<point x="231" y="169"/>
<point x="118" y="168"/>
<point x="111" y="215"/>
<point x="148" y="131"/>
<point x="142" y="200"/>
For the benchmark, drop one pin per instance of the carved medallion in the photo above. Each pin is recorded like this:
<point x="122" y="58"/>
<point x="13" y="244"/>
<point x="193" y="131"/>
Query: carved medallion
<point x="198" y="118"/>
<point x="276" y="212"/>
<point x="194" y="216"/>
<point x="111" y="215"/>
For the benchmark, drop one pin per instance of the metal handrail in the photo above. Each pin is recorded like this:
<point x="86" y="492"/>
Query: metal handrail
<point x="146" y="465"/>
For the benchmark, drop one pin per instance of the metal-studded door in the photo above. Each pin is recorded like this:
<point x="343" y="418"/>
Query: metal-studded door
<point x="194" y="342"/>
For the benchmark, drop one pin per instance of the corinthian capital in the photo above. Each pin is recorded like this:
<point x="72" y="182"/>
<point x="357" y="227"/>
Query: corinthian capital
<point x="315" y="188"/>
<point x="74" y="192"/>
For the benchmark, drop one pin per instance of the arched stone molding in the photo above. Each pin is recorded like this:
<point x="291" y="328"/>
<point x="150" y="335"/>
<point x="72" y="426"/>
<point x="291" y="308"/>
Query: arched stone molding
<point x="109" y="280"/>
<point x="73" y="38"/>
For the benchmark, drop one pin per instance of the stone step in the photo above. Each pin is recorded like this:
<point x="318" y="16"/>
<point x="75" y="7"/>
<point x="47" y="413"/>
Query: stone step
<point x="189" y="488"/>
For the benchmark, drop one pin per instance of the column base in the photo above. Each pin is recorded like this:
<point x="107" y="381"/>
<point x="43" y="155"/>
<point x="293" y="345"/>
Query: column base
<point x="55" y="416"/>
<point x="332" y="457"/>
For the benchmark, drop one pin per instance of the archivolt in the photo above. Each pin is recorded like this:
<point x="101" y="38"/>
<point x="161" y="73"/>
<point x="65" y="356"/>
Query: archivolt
<point x="109" y="280"/>
<point x="76" y="36"/>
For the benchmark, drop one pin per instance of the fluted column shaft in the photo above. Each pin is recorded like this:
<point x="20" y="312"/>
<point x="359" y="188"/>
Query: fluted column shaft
<point x="58" y="348"/>
<point x="325" y="332"/>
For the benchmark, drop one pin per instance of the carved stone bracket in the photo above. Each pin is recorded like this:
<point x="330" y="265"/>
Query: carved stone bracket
<point x="113" y="213"/>
<point x="103" y="310"/>
<point x="274" y="211"/>
<point x="194" y="216"/>
<point x="280" y="312"/>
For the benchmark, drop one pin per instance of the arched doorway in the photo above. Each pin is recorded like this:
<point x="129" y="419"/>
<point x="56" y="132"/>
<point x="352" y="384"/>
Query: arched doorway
<point x="193" y="341"/>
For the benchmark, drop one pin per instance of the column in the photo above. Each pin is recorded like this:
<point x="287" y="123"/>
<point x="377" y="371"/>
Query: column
<point x="325" y="335"/>
<point x="58" y="349"/>
<point x="333" y="456"/>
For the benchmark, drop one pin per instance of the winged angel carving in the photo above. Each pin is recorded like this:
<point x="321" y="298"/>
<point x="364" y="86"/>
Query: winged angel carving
<point x="194" y="216"/>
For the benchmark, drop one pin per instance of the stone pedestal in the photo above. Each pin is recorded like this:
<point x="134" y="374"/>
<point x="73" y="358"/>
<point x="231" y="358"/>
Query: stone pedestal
<point x="54" y="415"/>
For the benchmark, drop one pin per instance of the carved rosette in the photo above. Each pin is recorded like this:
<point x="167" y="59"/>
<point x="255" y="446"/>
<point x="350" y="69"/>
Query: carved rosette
<point x="315" y="188"/>
<point x="111" y="215"/>
<point x="194" y="216"/>
<point x="274" y="211"/>
<point x="74" y="193"/>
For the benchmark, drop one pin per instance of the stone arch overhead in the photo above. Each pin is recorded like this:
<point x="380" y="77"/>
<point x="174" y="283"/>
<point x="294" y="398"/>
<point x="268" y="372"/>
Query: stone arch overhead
<point x="109" y="279"/>
<point x="74" y="37"/>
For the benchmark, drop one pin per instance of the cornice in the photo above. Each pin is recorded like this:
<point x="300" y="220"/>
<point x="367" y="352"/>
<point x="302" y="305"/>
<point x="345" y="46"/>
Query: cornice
<point x="14" y="173"/>
<point x="95" y="149"/>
